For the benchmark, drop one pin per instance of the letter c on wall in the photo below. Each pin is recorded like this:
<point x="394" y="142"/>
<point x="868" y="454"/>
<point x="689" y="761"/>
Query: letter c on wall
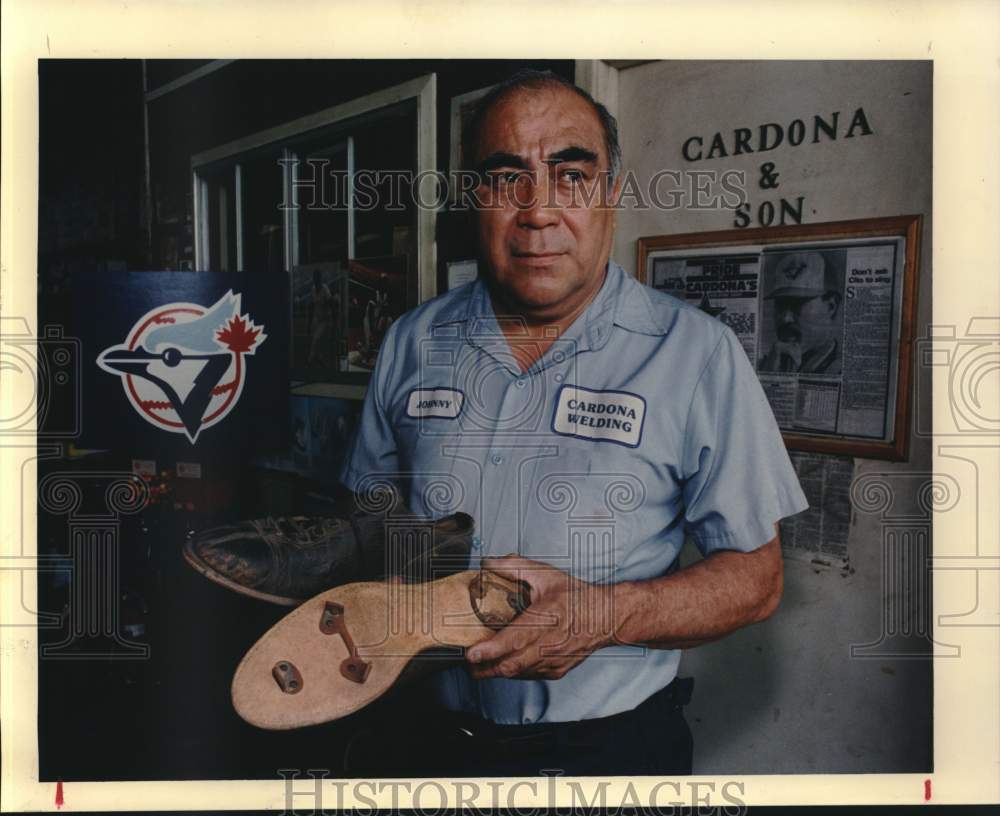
<point x="684" y="149"/>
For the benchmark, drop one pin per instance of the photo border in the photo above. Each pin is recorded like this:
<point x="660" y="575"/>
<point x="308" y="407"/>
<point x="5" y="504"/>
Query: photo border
<point x="962" y="39"/>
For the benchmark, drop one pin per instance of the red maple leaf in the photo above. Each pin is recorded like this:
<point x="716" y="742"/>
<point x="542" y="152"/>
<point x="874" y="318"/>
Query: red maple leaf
<point x="238" y="336"/>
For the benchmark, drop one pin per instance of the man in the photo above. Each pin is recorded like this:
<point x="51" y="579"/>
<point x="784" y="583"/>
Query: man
<point x="806" y="297"/>
<point x="587" y="423"/>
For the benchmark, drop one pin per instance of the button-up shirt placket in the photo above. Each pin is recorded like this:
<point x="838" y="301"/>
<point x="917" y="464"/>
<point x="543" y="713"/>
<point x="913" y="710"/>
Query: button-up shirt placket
<point x="502" y="451"/>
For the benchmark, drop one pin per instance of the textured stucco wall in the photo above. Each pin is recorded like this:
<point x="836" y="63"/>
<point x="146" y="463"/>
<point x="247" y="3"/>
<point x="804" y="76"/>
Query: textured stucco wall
<point x="786" y="696"/>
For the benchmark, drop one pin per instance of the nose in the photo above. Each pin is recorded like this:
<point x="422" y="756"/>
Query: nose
<point x="787" y="315"/>
<point x="535" y="202"/>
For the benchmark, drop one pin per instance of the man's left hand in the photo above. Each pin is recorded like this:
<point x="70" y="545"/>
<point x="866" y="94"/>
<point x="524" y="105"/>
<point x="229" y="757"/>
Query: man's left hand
<point x="567" y="620"/>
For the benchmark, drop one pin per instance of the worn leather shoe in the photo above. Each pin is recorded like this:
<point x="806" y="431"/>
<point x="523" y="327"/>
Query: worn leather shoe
<point x="288" y="560"/>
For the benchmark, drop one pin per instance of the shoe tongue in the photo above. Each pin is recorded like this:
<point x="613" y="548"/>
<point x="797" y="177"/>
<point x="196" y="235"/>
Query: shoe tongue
<point x="376" y="532"/>
<point x="316" y="528"/>
<point x="371" y="528"/>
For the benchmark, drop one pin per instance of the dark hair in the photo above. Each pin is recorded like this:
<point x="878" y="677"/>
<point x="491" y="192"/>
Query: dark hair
<point x="528" y="78"/>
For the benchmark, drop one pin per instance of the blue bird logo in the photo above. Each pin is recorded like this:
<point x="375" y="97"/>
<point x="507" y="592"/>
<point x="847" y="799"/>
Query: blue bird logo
<point x="182" y="366"/>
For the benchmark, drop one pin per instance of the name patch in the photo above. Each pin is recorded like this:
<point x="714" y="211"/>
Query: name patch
<point x="610" y="416"/>
<point x="443" y="403"/>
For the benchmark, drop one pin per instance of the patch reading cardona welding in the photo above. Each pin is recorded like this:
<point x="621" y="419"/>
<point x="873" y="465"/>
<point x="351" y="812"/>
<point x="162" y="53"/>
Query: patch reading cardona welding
<point x="605" y="416"/>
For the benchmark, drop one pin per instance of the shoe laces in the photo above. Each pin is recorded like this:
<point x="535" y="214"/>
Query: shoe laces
<point x="276" y="530"/>
<point x="296" y="531"/>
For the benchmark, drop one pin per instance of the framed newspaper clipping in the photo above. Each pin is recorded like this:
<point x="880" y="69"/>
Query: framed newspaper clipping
<point x="825" y="313"/>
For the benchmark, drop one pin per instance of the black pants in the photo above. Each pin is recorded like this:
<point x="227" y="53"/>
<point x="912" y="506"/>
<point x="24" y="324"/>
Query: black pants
<point x="651" y="740"/>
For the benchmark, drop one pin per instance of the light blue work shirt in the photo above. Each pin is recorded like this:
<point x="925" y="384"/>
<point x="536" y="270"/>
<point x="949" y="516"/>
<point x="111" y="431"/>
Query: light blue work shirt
<point x="644" y="422"/>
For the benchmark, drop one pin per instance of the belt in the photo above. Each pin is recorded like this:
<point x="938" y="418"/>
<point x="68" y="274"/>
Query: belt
<point x="485" y="734"/>
<point x="445" y="739"/>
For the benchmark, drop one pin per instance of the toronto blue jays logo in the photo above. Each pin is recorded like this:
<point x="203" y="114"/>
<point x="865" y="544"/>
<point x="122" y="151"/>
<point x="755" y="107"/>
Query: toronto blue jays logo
<point x="793" y="270"/>
<point x="183" y="366"/>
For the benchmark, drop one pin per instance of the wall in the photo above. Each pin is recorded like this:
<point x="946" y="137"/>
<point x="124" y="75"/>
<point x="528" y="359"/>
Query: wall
<point x="786" y="696"/>
<point x="90" y="213"/>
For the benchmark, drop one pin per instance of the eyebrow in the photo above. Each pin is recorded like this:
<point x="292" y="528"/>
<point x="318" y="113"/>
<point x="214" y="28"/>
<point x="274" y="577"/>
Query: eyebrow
<point x="501" y="159"/>
<point x="573" y="153"/>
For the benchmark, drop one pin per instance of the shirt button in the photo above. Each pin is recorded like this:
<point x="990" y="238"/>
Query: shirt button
<point x="559" y="378"/>
<point x="558" y="357"/>
<point x="496" y="459"/>
<point x="520" y="382"/>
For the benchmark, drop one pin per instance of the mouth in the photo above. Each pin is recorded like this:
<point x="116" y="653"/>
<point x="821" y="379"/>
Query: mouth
<point x="537" y="259"/>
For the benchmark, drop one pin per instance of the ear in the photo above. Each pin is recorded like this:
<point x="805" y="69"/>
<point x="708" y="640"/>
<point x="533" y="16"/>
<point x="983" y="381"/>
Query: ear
<point x="832" y="303"/>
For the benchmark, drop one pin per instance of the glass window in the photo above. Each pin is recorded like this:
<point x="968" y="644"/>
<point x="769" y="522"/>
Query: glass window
<point x="261" y="188"/>
<point x="335" y="208"/>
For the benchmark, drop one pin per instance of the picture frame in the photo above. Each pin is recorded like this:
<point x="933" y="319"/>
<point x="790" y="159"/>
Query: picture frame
<point x="340" y="312"/>
<point x="826" y="314"/>
<point x="317" y="322"/>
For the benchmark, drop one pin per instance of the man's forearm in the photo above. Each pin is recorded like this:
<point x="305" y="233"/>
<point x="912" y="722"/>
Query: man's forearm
<point x="706" y="601"/>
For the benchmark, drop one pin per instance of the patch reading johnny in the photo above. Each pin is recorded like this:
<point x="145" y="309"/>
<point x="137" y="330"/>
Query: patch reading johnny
<point x="182" y="366"/>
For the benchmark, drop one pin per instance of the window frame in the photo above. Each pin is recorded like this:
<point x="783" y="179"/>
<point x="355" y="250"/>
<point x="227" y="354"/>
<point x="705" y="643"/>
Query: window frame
<point x="422" y="91"/>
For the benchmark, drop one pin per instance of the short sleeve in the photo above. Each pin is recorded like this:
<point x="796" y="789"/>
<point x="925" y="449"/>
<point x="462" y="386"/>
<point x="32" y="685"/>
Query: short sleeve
<point x="738" y="479"/>
<point x="373" y="448"/>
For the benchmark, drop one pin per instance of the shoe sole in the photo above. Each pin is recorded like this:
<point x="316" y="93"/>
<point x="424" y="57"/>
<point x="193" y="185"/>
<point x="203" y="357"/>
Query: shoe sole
<point x="300" y="674"/>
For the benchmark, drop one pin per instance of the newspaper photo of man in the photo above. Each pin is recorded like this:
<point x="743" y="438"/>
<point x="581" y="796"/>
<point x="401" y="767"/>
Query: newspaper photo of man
<point x="804" y="294"/>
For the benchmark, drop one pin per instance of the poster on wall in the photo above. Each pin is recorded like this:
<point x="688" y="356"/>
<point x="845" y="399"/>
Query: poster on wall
<point x="378" y="292"/>
<point x="819" y="535"/>
<point x="319" y="292"/>
<point x="340" y="313"/>
<point x="824" y="313"/>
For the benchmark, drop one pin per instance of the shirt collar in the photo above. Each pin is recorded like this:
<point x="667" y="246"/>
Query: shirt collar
<point x="622" y="301"/>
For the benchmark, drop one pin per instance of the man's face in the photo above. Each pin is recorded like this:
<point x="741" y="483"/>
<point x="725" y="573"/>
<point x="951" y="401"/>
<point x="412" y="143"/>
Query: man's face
<point x="545" y="231"/>
<point x="803" y="320"/>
